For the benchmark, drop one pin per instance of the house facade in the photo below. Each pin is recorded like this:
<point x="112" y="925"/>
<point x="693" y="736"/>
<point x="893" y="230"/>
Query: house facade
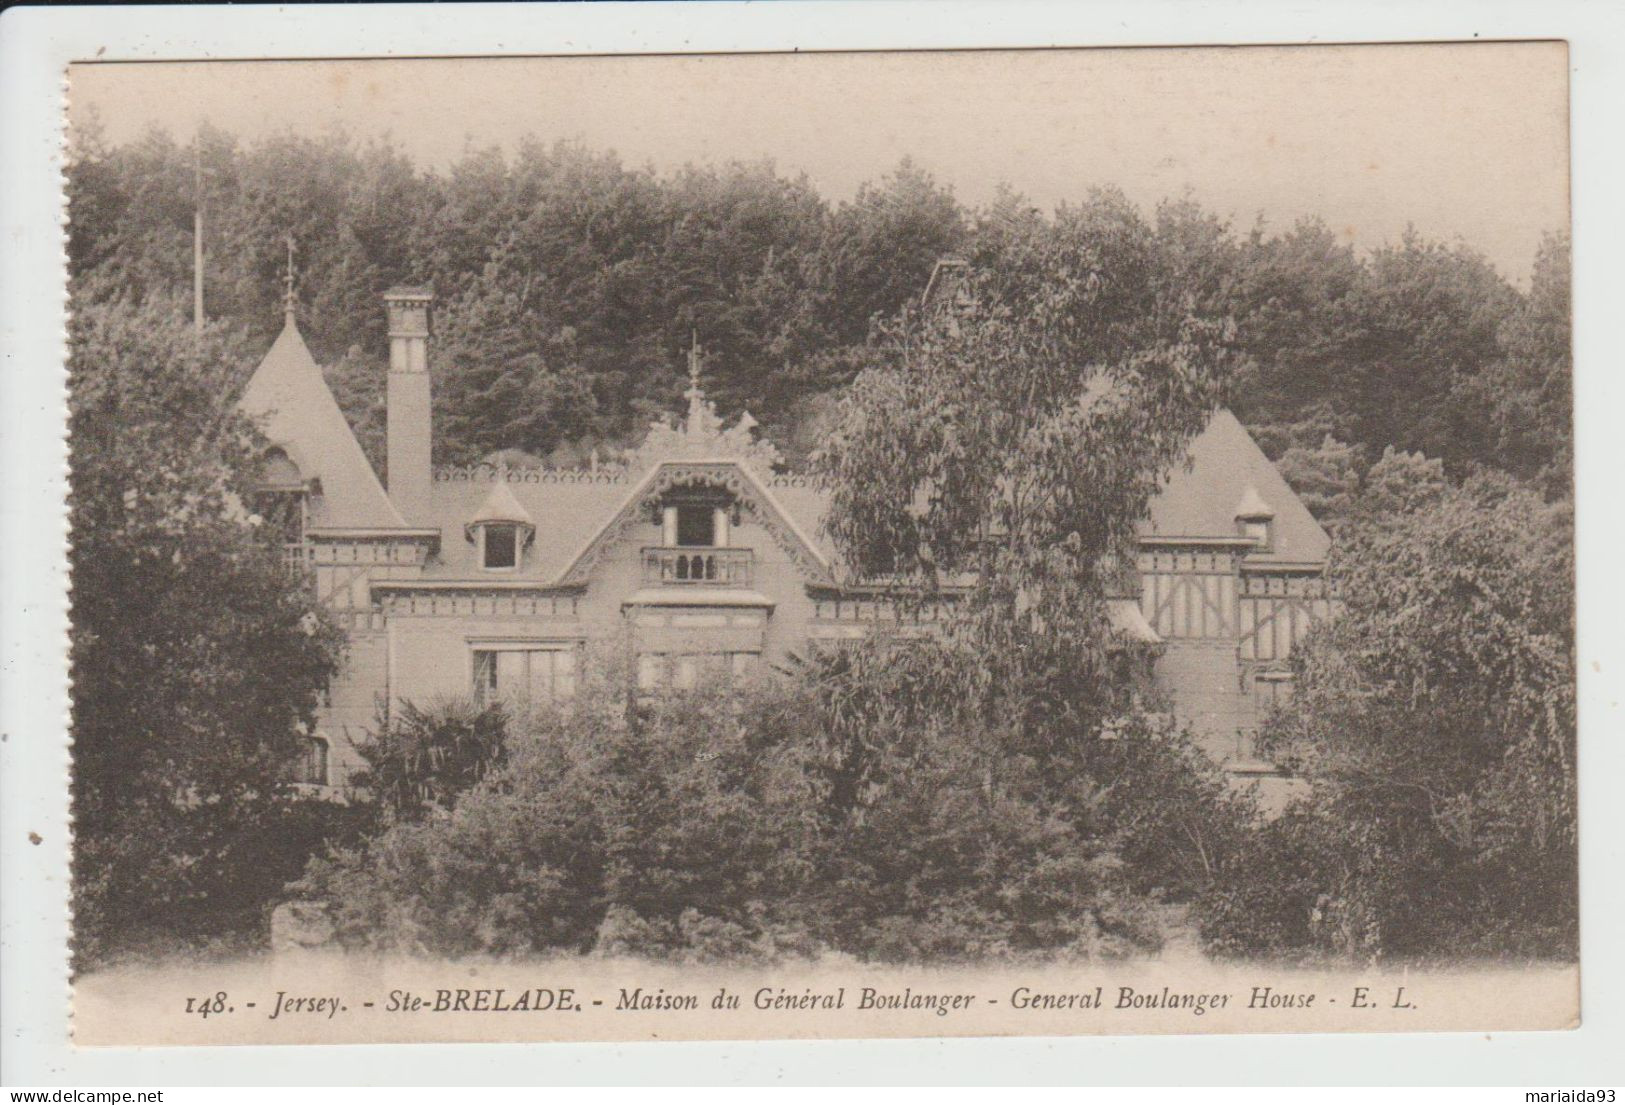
<point x="698" y="559"/>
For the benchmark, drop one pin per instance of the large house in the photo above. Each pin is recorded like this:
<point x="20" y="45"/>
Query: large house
<point x="700" y="560"/>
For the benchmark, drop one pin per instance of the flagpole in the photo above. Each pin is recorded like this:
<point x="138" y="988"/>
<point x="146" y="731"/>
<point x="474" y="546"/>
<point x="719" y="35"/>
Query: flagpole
<point x="197" y="237"/>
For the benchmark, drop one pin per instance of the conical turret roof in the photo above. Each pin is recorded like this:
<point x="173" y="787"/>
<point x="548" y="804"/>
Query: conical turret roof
<point x="1205" y="499"/>
<point x="297" y="411"/>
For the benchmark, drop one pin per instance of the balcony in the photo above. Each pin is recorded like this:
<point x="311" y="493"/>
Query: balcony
<point x="696" y="565"/>
<point x="296" y="558"/>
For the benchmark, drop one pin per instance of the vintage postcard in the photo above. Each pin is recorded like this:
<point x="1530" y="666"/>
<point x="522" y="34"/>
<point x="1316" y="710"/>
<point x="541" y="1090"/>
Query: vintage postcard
<point x="756" y="546"/>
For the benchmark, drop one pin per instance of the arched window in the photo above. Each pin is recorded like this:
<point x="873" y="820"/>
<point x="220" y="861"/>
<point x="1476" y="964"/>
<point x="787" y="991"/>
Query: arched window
<point x="313" y="767"/>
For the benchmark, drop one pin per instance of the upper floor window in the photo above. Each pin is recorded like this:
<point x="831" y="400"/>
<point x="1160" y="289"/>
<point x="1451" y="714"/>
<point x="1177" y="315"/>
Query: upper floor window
<point x="283" y="515"/>
<point x="696" y="517"/>
<point x="696" y="524"/>
<point x="1258" y="529"/>
<point x="281" y="499"/>
<point x="499" y="546"/>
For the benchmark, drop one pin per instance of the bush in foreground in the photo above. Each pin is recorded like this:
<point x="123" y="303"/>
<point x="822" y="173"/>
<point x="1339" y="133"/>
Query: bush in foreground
<point x="1435" y="722"/>
<point x="782" y="819"/>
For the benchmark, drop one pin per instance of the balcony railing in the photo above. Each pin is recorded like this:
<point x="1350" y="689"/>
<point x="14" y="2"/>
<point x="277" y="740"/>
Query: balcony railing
<point x="697" y="565"/>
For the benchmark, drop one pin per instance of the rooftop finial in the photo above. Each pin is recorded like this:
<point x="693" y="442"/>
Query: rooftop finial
<point x="289" y="303"/>
<point x="701" y="435"/>
<point x="695" y="394"/>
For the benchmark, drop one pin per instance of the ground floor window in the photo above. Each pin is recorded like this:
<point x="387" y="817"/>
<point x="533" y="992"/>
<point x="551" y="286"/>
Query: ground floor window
<point x="541" y="672"/>
<point x="686" y="671"/>
<point x="312" y="767"/>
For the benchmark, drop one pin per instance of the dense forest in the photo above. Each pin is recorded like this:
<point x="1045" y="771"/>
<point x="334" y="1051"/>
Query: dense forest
<point x="569" y="285"/>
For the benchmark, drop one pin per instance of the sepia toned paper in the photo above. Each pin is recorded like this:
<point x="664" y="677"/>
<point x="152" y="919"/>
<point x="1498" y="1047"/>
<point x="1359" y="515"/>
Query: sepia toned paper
<point x="1466" y="142"/>
<point x="360" y="1001"/>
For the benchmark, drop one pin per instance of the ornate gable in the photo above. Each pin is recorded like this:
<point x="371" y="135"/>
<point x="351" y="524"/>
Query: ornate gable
<point x="702" y="435"/>
<point x="702" y="452"/>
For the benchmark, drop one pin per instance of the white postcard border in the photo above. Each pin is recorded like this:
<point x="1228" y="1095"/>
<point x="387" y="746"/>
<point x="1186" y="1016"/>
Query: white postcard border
<point x="36" y="44"/>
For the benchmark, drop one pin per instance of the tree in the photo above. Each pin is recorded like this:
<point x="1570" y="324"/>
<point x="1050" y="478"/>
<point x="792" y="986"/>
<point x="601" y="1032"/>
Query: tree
<point x="197" y="660"/>
<point x="1294" y="324"/>
<point x="881" y="247"/>
<point x="1435" y="721"/>
<point x="1529" y="394"/>
<point x="570" y="284"/>
<point x="1010" y="441"/>
<point x="1326" y="478"/>
<point x="1427" y="319"/>
<point x="997" y="457"/>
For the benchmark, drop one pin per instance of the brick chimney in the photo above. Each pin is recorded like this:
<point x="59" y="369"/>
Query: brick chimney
<point x="408" y="398"/>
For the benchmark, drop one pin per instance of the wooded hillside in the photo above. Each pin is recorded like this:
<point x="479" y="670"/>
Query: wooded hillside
<point x="568" y="285"/>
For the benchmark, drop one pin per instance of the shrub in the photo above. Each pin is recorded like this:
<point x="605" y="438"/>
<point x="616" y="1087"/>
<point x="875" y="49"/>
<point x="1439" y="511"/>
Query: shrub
<point x="419" y="758"/>
<point x="1435" y="722"/>
<point x="830" y="810"/>
<point x="938" y="839"/>
<point x="651" y="830"/>
<point x="1175" y="819"/>
<point x="207" y="876"/>
<point x="945" y="861"/>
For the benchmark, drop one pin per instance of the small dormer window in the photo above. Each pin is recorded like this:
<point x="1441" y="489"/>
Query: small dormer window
<point x="500" y="546"/>
<point x="1255" y="519"/>
<point x="500" y="529"/>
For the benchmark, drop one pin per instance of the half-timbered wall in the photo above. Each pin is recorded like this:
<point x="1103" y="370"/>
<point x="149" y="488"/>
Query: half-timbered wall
<point x="341" y="571"/>
<point x="1189" y="593"/>
<point x="1229" y="629"/>
<point x="1276" y="610"/>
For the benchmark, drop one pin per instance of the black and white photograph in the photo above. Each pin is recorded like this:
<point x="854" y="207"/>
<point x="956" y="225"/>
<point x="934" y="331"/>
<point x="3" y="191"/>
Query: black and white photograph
<point x="847" y="544"/>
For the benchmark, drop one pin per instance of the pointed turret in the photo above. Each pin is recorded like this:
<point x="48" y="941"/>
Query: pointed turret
<point x="297" y="412"/>
<point x="1230" y="485"/>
